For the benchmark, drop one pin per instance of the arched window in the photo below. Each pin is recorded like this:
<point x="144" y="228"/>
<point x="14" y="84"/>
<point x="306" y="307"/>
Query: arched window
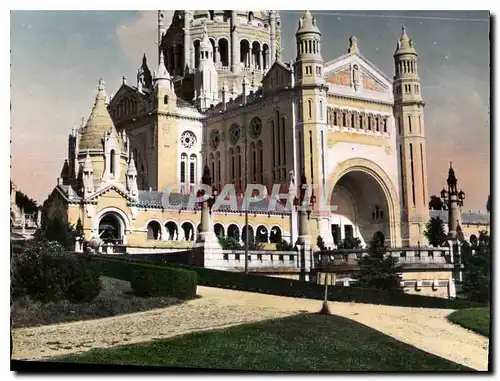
<point x="211" y="15"/>
<point x="183" y="167"/>
<point x="196" y="45"/>
<point x="192" y="169"/>
<point x="112" y="162"/>
<point x="321" y="109"/>
<point x="283" y="138"/>
<point x="274" y="142"/>
<point x="253" y="172"/>
<point x="165" y="99"/>
<point x="233" y="166"/>
<point x="409" y="123"/>
<point x="224" y="51"/>
<point x="212" y="165"/>
<point x="239" y="172"/>
<point x="219" y="174"/>
<point x="250" y="16"/>
<point x="261" y="161"/>
<point x="309" y="104"/>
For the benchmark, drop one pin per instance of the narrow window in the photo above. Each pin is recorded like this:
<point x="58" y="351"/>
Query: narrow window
<point x="409" y="123"/>
<point x="192" y="175"/>
<point x="165" y="99"/>
<point x="422" y="167"/>
<point x="274" y="143"/>
<point x="412" y="174"/>
<point x="420" y="124"/>
<point x="278" y="137"/>
<point x="112" y="162"/>
<point x="321" y="109"/>
<point x="398" y="122"/>
<point x="401" y="162"/>
<point x="283" y="134"/>
<point x="183" y="171"/>
<point x="309" y="102"/>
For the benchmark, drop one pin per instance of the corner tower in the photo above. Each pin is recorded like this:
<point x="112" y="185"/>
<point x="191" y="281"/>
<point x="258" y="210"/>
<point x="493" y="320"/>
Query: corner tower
<point x="409" y="115"/>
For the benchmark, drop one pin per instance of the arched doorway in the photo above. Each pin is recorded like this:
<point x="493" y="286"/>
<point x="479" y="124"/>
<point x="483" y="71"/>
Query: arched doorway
<point x="362" y="208"/>
<point x="172" y="231"/>
<point x="219" y="230"/>
<point x="188" y="229"/>
<point x="275" y="236"/>
<point x="111" y="229"/>
<point x="234" y="232"/>
<point x="250" y="234"/>
<point x="262" y="234"/>
<point x="154" y="231"/>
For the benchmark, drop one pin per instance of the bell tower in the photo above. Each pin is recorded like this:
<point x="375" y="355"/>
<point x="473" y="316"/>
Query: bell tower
<point x="311" y="125"/>
<point x="409" y="115"/>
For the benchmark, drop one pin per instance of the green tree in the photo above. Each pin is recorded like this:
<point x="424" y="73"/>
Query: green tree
<point x="229" y="243"/>
<point x="435" y="231"/>
<point x="55" y="229"/>
<point x="435" y="203"/>
<point x="285" y="246"/>
<point x="29" y="205"/>
<point x="477" y="273"/>
<point x="350" y="243"/>
<point x="321" y="244"/>
<point x="378" y="269"/>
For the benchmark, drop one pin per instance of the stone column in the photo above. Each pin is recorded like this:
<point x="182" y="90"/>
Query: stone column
<point x="217" y="56"/>
<point x="187" y="40"/>
<point x="272" y="35"/>
<point x="234" y="43"/>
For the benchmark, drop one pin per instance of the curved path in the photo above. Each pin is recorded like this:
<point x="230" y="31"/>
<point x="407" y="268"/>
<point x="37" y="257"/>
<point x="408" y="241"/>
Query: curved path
<point x="427" y="329"/>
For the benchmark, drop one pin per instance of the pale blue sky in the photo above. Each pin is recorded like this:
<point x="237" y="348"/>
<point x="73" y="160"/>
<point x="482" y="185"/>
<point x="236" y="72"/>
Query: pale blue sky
<point x="57" y="58"/>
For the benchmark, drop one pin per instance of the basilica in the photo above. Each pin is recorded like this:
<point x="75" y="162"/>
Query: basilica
<point x="219" y="96"/>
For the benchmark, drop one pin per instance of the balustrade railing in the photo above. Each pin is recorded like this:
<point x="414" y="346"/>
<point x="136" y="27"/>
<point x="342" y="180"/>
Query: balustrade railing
<point x="411" y="255"/>
<point x="261" y="258"/>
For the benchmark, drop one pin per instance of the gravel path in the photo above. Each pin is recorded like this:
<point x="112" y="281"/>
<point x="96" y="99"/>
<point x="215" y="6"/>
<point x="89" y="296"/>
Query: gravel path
<point x="424" y="328"/>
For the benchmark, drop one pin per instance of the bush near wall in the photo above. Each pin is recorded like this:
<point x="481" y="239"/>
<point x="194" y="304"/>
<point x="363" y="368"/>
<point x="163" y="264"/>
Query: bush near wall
<point x="149" y="279"/>
<point x="294" y="288"/>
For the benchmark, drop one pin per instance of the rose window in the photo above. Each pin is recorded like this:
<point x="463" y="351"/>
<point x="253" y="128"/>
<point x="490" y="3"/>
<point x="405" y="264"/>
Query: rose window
<point x="255" y="128"/>
<point x="235" y="133"/>
<point x="188" y="139"/>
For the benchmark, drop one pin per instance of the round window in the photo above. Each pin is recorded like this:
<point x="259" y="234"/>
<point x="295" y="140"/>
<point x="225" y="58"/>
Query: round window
<point x="188" y="139"/>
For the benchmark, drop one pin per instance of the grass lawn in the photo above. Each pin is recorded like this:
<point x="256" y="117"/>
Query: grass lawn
<point x="115" y="298"/>
<point x="308" y="342"/>
<point x="475" y="319"/>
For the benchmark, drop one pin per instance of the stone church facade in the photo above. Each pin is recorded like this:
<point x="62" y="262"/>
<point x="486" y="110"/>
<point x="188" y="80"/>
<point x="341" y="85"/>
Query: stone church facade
<point x="221" y="96"/>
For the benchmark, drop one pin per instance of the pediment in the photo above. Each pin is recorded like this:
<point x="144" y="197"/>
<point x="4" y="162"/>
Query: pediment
<point x="113" y="191"/>
<point x="127" y="103"/>
<point x="357" y="73"/>
<point x="277" y="77"/>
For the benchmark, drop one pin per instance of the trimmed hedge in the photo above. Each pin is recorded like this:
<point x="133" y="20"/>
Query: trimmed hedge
<point x="298" y="289"/>
<point x="164" y="282"/>
<point x="149" y="279"/>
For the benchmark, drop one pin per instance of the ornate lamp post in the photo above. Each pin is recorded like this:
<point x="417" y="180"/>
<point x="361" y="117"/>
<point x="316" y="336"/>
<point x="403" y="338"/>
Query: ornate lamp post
<point x="304" y="210"/>
<point x="454" y="201"/>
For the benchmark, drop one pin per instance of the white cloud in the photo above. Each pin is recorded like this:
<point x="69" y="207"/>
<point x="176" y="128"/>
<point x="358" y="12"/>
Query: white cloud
<point x="140" y="36"/>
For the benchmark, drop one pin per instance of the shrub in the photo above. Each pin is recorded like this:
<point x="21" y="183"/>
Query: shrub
<point x="320" y="243"/>
<point x="46" y="273"/>
<point x="350" y="243"/>
<point x="83" y="282"/>
<point x="434" y="232"/>
<point x="285" y="246"/>
<point x="151" y="281"/>
<point x="229" y="243"/>
<point x="378" y="269"/>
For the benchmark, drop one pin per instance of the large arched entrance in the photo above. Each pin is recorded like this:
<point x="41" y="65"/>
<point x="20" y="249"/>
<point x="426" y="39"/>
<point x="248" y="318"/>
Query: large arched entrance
<point x="111" y="228"/>
<point x="366" y="203"/>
